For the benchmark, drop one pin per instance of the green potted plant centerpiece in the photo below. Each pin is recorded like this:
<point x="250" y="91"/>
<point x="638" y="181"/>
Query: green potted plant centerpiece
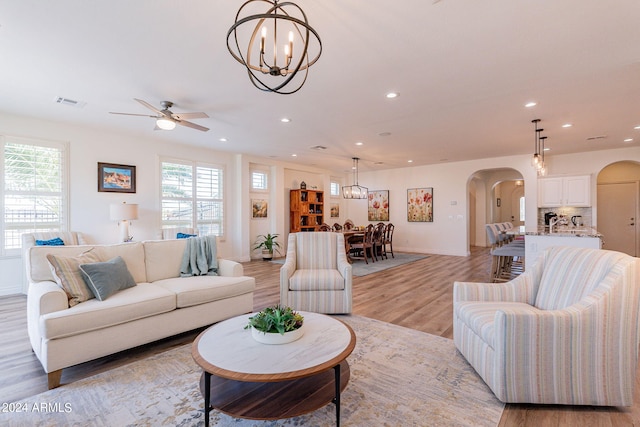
<point x="276" y="325"/>
<point x="268" y="244"/>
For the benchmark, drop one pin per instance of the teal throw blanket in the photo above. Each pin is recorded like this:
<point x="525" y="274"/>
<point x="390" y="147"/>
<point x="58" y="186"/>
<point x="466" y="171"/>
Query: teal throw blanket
<point x="200" y="257"/>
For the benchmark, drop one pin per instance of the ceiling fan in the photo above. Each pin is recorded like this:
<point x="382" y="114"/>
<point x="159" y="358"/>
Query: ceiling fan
<point x="166" y="119"/>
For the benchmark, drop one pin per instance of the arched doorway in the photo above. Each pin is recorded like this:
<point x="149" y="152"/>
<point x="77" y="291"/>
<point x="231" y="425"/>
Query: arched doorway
<point x="494" y="195"/>
<point x="619" y="207"/>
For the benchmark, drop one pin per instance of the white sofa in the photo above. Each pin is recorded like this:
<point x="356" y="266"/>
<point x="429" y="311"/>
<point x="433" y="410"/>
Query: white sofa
<point x="162" y="303"/>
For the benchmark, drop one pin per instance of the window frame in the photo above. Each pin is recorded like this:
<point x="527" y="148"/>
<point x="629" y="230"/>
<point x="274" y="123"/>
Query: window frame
<point x="193" y="199"/>
<point x="265" y="174"/>
<point x="62" y="224"/>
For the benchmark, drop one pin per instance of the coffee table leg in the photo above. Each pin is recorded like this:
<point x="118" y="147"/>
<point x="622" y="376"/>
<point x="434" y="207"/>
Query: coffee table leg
<point x="336" y="400"/>
<point x="207" y="397"/>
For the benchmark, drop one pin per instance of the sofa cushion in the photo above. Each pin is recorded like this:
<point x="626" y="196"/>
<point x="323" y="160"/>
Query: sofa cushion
<point x="138" y="302"/>
<point x="66" y="273"/>
<point x="480" y="316"/>
<point x="316" y="280"/>
<point x="202" y="289"/>
<point x="106" y="278"/>
<point x="163" y="258"/>
<point x="132" y="254"/>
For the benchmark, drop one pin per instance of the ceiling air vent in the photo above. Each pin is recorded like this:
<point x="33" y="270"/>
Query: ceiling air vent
<point x="70" y="102"/>
<point x="593" y="138"/>
<point x="318" y="147"/>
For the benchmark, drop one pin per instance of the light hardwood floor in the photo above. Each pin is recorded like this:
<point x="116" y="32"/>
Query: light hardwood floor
<point x="417" y="295"/>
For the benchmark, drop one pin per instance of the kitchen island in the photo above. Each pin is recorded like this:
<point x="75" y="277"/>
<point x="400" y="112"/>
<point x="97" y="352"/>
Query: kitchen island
<point x="536" y="241"/>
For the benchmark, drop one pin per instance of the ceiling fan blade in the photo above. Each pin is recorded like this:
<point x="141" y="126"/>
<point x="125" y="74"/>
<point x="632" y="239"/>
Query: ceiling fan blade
<point x="132" y="114"/>
<point x="149" y="106"/>
<point x="183" y="116"/>
<point x="192" y="125"/>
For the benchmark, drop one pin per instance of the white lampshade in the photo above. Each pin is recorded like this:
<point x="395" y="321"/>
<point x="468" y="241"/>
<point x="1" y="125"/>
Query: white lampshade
<point x="123" y="211"/>
<point x="166" y="124"/>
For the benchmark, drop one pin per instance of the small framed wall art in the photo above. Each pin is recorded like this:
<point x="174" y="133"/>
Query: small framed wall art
<point x="335" y="210"/>
<point x="259" y="208"/>
<point x="116" y="178"/>
<point x="420" y="204"/>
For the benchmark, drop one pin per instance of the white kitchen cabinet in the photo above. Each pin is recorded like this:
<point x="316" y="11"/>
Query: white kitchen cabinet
<point x="554" y="192"/>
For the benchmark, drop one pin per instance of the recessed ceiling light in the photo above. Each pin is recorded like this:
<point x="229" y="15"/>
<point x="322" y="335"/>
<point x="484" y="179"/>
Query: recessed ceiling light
<point x="628" y="140"/>
<point x="294" y="155"/>
<point x="546" y="149"/>
<point x="567" y="125"/>
<point x="530" y="104"/>
<point x="285" y="120"/>
<point x="359" y="143"/>
<point x="409" y="161"/>
<point x="637" y="127"/>
<point x="392" y="95"/>
<point x="223" y="140"/>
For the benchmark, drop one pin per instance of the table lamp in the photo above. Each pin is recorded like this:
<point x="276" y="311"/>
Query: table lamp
<point x="122" y="212"/>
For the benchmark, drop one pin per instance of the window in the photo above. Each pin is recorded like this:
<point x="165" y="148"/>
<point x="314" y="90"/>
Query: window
<point x="259" y="181"/>
<point x="34" y="190"/>
<point x="335" y="189"/>
<point x="522" y="208"/>
<point x="192" y="196"/>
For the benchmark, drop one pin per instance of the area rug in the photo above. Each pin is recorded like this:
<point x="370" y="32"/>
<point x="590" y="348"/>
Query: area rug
<point x="399" y="377"/>
<point x="360" y="268"/>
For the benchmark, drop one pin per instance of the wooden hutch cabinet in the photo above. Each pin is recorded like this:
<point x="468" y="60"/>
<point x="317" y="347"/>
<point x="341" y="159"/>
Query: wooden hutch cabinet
<point x="306" y="210"/>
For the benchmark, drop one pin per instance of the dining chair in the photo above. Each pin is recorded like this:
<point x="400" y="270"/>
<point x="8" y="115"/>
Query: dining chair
<point x="378" y="241"/>
<point x="337" y="227"/>
<point x="324" y="227"/>
<point x="348" y="225"/>
<point x="359" y="247"/>
<point x="388" y="239"/>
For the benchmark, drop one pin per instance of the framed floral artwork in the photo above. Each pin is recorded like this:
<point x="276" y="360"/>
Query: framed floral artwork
<point x="420" y="204"/>
<point x="378" y="205"/>
<point x="259" y="208"/>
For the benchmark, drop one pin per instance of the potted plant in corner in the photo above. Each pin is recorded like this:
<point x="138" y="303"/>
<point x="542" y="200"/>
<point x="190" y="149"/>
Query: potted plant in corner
<point x="276" y="325"/>
<point x="268" y="244"/>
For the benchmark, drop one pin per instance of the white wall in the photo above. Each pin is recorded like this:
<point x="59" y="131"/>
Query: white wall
<point x="89" y="209"/>
<point x="447" y="234"/>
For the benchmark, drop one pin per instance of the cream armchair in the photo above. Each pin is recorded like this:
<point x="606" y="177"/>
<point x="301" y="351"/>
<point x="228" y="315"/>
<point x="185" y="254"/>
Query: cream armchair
<point x="316" y="275"/>
<point x="563" y="332"/>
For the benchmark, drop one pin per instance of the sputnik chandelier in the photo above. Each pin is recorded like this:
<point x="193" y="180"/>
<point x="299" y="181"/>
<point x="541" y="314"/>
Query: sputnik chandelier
<point x="274" y="45"/>
<point x="537" y="161"/>
<point x="355" y="191"/>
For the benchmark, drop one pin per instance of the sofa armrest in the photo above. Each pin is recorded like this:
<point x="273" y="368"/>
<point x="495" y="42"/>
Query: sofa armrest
<point x="230" y="268"/>
<point x="520" y="289"/>
<point x="46" y="297"/>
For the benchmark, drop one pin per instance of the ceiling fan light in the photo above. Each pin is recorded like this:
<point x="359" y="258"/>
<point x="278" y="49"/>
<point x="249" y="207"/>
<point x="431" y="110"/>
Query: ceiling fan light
<point x="165" y="124"/>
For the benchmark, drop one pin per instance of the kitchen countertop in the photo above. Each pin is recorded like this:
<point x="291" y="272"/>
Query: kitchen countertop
<point x="565" y="232"/>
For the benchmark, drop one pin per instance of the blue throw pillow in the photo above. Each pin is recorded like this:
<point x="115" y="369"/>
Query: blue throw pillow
<point x="51" y="242"/>
<point x="185" y="235"/>
<point x="106" y="278"/>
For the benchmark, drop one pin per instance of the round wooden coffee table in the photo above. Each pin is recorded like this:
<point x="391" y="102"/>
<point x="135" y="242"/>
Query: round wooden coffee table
<point x="246" y="379"/>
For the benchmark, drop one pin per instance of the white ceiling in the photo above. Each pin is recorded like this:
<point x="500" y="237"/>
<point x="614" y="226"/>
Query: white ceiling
<point x="463" y="68"/>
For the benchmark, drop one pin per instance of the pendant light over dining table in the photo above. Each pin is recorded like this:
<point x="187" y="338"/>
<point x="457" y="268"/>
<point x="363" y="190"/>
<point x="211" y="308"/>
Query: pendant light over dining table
<point x="277" y="46"/>
<point x="355" y="191"/>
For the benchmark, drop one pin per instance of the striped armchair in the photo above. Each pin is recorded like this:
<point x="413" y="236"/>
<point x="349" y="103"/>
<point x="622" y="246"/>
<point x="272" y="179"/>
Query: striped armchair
<point x="316" y="275"/>
<point x="564" y="332"/>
